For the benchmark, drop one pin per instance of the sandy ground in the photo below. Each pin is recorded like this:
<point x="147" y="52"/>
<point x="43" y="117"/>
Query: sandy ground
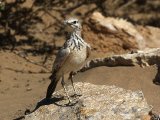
<point x="23" y="84"/>
<point x="20" y="91"/>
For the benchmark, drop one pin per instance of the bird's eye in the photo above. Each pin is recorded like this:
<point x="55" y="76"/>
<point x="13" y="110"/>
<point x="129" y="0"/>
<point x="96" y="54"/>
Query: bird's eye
<point x="74" y="22"/>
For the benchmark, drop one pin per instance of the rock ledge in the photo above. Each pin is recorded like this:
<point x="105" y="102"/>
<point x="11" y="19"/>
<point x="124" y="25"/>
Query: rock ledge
<point x="98" y="102"/>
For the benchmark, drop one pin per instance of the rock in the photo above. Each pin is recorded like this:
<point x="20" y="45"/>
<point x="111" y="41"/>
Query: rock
<point x="151" y="35"/>
<point x="108" y="34"/>
<point x="28" y="89"/>
<point x="98" y="102"/>
<point x="144" y="58"/>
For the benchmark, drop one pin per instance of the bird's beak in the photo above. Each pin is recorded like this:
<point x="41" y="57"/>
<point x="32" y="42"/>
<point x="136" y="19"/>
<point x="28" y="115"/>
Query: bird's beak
<point x="67" y="23"/>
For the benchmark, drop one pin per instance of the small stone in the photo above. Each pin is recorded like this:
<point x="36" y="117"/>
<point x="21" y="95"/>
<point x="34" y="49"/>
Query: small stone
<point x="28" y="89"/>
<point x="16" y="86"/>
<point x="27" y="85"/>
<point x="29" y="71"/>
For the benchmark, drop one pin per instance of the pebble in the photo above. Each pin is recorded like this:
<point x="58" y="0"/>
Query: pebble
<point x="28" y="89"/>
<point x="27" y="85"/>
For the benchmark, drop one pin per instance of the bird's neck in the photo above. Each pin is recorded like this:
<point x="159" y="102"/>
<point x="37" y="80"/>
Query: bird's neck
<point x="74" y="33"/>
<point x="75" y="40"/>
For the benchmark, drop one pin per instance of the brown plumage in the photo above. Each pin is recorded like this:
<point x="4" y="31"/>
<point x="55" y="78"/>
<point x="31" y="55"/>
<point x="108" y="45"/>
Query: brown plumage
<point x="70" y="57"/>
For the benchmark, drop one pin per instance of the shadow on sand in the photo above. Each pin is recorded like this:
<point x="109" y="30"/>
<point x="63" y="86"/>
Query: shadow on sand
<point x="55" y="100"/>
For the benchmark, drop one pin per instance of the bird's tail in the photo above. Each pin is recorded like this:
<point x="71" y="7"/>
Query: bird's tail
<point x="52" y="86"/>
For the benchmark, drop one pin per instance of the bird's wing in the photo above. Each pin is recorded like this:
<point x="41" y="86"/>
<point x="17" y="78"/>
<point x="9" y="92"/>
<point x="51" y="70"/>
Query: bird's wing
<point x="88" y="50"/>
<point x="61" y="57"/>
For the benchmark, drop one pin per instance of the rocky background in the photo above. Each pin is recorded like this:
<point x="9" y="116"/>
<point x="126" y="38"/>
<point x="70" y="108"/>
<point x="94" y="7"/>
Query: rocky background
<point x="31" y="32"/>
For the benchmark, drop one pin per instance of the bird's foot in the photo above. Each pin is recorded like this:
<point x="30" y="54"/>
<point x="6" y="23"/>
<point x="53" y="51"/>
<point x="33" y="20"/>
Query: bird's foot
<point x="71" y="103"/>
<point x="69" y="100"/>
<point x="76" y="95"/>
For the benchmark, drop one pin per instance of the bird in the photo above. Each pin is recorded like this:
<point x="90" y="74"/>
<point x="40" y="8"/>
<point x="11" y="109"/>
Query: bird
<point x="71" y="57"/>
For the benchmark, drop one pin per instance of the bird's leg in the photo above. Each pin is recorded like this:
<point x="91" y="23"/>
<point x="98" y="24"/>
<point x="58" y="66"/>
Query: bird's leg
<point x="71" y="78"/>
<point x="64" y="87"/>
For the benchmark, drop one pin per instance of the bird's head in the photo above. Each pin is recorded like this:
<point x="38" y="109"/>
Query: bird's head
<point x="72" y="24"/>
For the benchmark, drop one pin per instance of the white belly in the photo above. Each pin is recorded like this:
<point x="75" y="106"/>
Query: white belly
<point x="75" y="61"/>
